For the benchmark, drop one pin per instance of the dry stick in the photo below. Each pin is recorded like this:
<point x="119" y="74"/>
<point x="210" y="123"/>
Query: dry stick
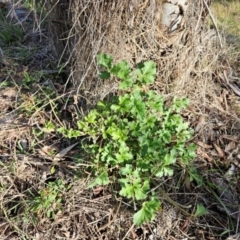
<point x="210" y="13"/>
<point x="199" y="18"/>
<point x="70" y="35"/>
<point x="41" y="21"/>
<point x="129" y="230"/>
<point x="42" y="107"/>
<point x="114" y="218"/>
<point x="86" y="72"/>
<point x="237" y="224"/>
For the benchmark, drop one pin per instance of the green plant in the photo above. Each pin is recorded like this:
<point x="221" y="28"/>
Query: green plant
<point x="49" y="199"/>
<point x="36" y="6"/>
<point x="10" y="33"/>
<point x="134" y="137"/>
<point x="42" y="99"/>
<point x="200" y="211"/>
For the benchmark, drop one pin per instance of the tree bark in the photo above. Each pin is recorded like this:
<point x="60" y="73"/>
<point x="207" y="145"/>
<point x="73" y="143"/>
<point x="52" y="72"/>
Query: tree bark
<point x="173" y="14"/>
<point x="170" y="32"/>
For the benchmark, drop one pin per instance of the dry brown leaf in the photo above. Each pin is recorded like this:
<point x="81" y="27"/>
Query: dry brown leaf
<point x="214" y="154"/>
<point x="219" y="150"/>
<point x="3" y="227"/>
<point x="231" y="138"/>
<point x="134" y="235"/>
<point x="204" y="155"/>
<point x="203" y="145"/>
<point x="63" y="152"/>
<point x="67" y="234"/>
<point x="200" y="124"/>
<point x="47" y="150"/>
<point x="229" y="147"/>
<point x="75" y="99"/>
<point x="97" y="191"/>
<point x="9" y="93"/>
<point x="185" y="225"/>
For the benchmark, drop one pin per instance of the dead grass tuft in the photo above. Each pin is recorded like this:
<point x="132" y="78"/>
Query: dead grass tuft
<point x="188" y="60"/>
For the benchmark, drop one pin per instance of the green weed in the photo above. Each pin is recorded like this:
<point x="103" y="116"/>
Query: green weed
<point x="135" y="138"/>
<point x="49" y="200"/>
<point x="200" y="211"/>
<point x="10" y="33"/>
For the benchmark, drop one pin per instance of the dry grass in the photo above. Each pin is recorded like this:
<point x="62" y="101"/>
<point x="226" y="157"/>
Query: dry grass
<point x="227" y="16"/>
<point x="187" y="61"/>
<point x="190" y="63"/>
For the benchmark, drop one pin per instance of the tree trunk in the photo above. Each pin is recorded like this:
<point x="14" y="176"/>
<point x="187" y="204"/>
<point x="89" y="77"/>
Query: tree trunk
<point x="170" y="32"/>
